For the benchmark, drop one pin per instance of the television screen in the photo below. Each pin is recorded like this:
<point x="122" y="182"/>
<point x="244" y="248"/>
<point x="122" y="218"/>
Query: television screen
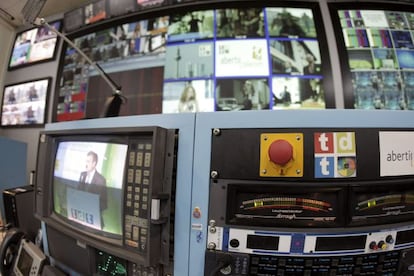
<point x="191" y="26"/>
<point x="378" y="55"/>
<point x="33" y="46"/>
<point x="190" y="60"/>
<point x="215" y="51"/>
<point x="73" y="20"/>
<point x="242" y="94"/>
<point x="121" y="7"/>
<point x="134" y="51"/>
<point x="275" y="51"/>
<point x="88" y="184"/>
<point x="194" y="96"/>
<point x="24" y="104"/>
<point x="145" y="4"/>
<point x="95" y="11"/>
<point x="110" y="189"/>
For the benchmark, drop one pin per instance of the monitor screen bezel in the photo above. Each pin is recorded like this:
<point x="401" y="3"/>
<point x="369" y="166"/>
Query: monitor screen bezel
<point x="45" y="102"/>
<point x="43" y="60"/>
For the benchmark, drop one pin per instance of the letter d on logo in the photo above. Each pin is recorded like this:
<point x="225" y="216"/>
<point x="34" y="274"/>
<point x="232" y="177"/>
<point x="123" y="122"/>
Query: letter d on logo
<point x="345" y="142"/>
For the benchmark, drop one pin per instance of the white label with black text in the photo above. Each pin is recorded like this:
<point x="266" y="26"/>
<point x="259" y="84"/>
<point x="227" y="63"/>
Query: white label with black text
<point x="396" y="153"/>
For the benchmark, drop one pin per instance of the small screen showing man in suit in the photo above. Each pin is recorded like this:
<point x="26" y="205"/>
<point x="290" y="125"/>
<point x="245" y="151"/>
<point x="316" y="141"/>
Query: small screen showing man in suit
<point x="92" y="181"/>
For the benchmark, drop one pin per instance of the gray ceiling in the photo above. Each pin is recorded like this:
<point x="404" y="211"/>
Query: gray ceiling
<point x="13" y="8"/>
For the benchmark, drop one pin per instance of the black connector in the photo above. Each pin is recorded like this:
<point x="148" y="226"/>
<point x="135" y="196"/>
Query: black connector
<point x="221" y="261"/>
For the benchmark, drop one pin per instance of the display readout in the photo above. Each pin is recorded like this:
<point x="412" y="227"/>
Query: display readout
<point x="386" y="203"/>
<point x="286" y="202"/>
<point x="281" y="206"/>
<point x="404" y="237"/>
<point x="385" y="200"/>
<point x="262" y="242"/>
<point x="340" y="243"/>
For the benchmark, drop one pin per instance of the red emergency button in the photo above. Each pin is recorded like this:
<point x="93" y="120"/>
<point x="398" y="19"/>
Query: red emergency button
<point x="280" y="152"/>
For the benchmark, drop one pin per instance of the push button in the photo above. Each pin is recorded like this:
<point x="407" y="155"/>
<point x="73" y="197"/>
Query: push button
<point x="281" y="155"/>
<point x="234" y="243"/>
<point x="389" y="239"/>
<point x="280" y="152"/>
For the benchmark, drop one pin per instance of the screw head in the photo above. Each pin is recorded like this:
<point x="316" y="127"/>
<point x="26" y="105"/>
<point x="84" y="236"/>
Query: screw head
<point x="214" y="174"/>
<point x="216" y="131"/>
<point x="211" y="246"/>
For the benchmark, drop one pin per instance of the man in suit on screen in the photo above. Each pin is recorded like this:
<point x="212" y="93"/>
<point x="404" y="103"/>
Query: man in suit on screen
<point x="92" y="181"/>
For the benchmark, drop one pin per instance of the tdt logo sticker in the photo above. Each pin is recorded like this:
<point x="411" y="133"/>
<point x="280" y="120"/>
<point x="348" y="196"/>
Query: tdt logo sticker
<point x="335" y="154"/>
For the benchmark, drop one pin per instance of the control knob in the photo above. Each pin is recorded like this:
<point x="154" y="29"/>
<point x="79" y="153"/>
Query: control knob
<point x="389" y="239"/>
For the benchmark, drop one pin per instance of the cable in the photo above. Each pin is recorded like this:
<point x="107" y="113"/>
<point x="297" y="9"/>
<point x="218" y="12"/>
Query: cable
<point x="11" y="17"/>
<point x="223" y="261"/>
<point x="5" y="227"/>
<point x="113" y="103"/>
<point x="115" y="88"/>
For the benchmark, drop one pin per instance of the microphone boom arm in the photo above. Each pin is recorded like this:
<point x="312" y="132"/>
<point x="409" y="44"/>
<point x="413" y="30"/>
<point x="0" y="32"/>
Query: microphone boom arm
<point x="115" y="88"/>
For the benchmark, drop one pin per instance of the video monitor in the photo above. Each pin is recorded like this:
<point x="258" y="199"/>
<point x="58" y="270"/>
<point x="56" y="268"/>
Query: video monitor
<point x="134" y="50"/>
<point x="146" y="4"/>
<point x="293" y="93"/>
<point x="180" y="1"/>
<point x="121" y="7"/>
<point x="191" y="26"/>
<point x="242" y="94"/>
<point x="88" y="193"/>
<point x="95" y="11"/>
<point x="240" y="23"/>
<point x="191" y="96"/>
<point x="275" y="48"/>
<point x="241" y="58"/>
<point x="291" y="22"/>
<point x="288" y="39"/>
<point x="73" y="20"/>
<point x="139" y="99"/>
<point x="110" y="189"/>
<point x="189" y="61"/>
<point x="34" y="46"/>
<point x="377" y="54"/>
<point x="24" y="104"/>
